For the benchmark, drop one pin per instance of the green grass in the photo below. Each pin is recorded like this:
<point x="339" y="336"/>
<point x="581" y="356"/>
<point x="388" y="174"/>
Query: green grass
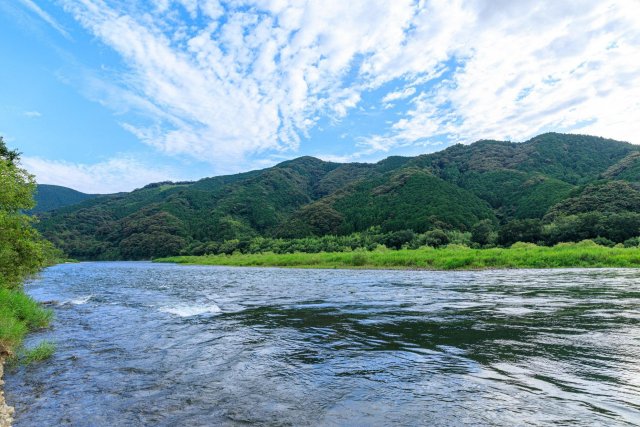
<point x="453" y="257"/>
<point x="43" y="351"/>
<point x="19" y="314"/>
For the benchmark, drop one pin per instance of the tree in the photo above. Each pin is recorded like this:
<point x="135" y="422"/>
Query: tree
<point x="8" y="155"/>
<point x="482" y="232"/>
<point x="22" y="250"/>
<point x="398" y="238"/>
<point x="435" y="238"/>
<point x="520" y="230"/>
<point x="22" y="253"/>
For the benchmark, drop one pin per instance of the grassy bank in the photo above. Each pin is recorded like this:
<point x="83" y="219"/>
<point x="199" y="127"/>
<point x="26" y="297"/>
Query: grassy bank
<point x="19" y="314"/>
<point x="583" y="254"/>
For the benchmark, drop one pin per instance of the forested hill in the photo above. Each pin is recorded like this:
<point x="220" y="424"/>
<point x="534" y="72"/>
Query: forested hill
<point x="553" y="185"/>
<point x="49" y="197"/>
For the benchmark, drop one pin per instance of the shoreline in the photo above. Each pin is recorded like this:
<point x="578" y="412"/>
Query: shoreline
<point x="6" y="411"/>
<point x="452" y="258"/>
<point x="399" y="268"/>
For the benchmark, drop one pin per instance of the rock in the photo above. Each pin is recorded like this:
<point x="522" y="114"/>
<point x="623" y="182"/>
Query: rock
<point x="6" y="412"/>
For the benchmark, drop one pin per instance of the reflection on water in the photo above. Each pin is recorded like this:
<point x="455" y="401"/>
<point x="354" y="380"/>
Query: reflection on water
<point x="146" y="344"/>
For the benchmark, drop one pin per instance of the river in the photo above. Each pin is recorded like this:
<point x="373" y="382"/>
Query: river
<point x="165" y="345"/>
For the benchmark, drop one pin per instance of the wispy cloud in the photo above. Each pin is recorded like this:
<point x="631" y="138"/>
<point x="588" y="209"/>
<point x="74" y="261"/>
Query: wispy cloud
<point x="533" y="67"/>
<point x="121" y="173"/>
<point x="32" y="114"/>
<point x="220" y="82"/>
<point x="400" y="94"/>
<point x="31" y="5"/>
<point x="256" y="81"/>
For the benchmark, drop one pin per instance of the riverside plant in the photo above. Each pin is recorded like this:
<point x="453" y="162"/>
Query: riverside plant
<point x="19" y="314"/>
<point x="583" y="254"/>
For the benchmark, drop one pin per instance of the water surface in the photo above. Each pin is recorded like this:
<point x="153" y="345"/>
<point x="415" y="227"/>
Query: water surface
<point x="162" y="344"/>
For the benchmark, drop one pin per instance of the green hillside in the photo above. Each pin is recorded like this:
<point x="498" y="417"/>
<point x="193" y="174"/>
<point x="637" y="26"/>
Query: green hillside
<point x="49" y="197"/>
<point x="494" y="190"/>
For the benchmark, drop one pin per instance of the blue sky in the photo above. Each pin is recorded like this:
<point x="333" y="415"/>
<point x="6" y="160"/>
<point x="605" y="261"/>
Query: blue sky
<point x="109" y="95"/>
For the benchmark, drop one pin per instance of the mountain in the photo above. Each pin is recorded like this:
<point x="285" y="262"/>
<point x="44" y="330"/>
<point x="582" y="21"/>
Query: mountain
<point x="548" y="177"/>
<point x="50" y="197"/>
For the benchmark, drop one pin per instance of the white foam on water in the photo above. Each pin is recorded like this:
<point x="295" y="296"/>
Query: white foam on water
<point x="79" y="300"/>
<point x="191" y="310"/>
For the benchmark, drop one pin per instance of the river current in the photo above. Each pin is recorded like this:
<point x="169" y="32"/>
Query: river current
<point x="167" y="345"/>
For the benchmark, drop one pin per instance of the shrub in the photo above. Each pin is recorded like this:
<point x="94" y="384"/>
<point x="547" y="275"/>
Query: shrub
<point x="435" y="238"/>
<point x="399" y="238"/>
<point x="523" y="245"/>
<point x="633" y="242"/>
<point x="359" y="259"/>
<point x="587" y="243"/>
<point x="603" y="241"/>
<point x="524" y="230"/>
<point x="482" y="233"/>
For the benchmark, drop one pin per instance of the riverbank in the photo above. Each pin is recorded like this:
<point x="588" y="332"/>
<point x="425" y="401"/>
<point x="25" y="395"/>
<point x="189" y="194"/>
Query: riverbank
<point x="19" y="314"/>
<point x="6" y="411"/>
<point x="566" y="255"/>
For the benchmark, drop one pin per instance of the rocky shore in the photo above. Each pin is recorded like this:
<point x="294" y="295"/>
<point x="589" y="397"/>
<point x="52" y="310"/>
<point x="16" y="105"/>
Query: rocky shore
<point x="6" y="412"/>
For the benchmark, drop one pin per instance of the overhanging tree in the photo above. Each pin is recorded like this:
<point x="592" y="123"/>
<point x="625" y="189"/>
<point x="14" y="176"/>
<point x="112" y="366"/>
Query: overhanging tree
<point x="22" y="251"/>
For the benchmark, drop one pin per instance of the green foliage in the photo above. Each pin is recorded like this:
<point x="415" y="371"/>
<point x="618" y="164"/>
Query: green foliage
<point x="9" y="156"/>
<point x="627" y="169"/>
<point x="409" y="199"/>
<point x="603" y="241"/>
<point x="612" y="196"/>
<point x="43" y="351"/>
<point x="50" y="197"/>
<point x="573" y="228"/>
<point x="19" y="314"/>
<point x="435" y="238"/>
<point x="397" y="239"/>
<point x="453" y="257"/>
<point x="482" y="233"/>
<point x="575" y="159"/>
<point x="633" y="242"/>
<point x="525" y="230"/>
<point x="516" y="194"/>
<point x="22" y="253"/>
<point x="310" y="205"/>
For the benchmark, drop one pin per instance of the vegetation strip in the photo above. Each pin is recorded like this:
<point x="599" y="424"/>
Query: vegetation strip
<point x="23" y="252"/>
<point x="453" y="257"/>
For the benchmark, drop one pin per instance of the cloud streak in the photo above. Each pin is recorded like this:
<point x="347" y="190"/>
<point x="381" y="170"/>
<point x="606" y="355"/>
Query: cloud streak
<point x="568" y="68"/>
<point x="31" y="5"/>
<point x="220" y="82"/>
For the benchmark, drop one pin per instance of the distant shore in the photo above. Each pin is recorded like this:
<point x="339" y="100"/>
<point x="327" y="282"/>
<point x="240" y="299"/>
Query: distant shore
<point x="567" y="255"/>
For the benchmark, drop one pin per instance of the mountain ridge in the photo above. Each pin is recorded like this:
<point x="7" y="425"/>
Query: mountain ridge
<point x="49" y="197"/>
<point x="494" y="181"/>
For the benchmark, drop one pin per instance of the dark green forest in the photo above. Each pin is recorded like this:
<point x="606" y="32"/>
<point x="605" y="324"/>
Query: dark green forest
<point x="552" y="188"/>
<point x="50" y="197"/>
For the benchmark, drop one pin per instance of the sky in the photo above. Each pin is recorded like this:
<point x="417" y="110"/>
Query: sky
<point x="110" y="95"/>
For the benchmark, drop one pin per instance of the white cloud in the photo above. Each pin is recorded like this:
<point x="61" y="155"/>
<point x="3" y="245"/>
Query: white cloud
<point x="32" y="114"/>
<point x="45" y="17"/>
<point x="531" y="67"/>
<point x="255" y="76"/>
<point x="123" y="173"/>
<point x="254" y="83"/>
<point x="400" y="94"/>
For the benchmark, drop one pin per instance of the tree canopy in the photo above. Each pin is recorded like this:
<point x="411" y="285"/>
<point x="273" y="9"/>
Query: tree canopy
<point x="22" y="250"/>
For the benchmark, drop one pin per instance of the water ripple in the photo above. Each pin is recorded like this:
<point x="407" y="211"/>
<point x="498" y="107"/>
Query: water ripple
<point x="146" y="344"/>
